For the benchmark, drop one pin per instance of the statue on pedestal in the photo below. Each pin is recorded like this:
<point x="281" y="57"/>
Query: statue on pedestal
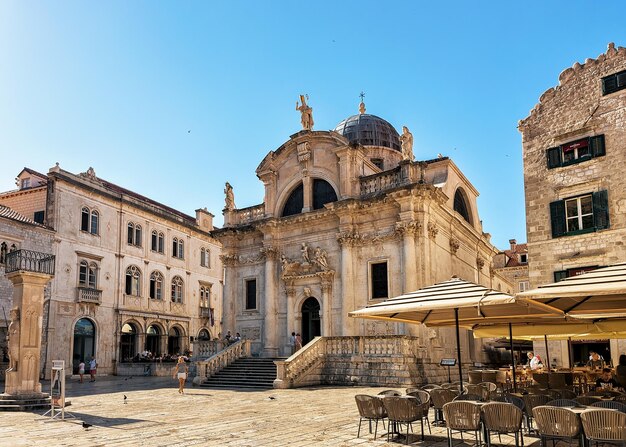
<point x="230" y="197"/>
<point x="320" y="259"/>
<point x="306" y="113"/>
<point x="13" y="337"/>
<point x="305" y="252"/>
<point x="406" y="139"/>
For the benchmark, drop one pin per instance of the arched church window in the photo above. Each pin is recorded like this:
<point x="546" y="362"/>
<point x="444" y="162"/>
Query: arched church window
<point x="323" y="193"/>
<point x="295" y="202"/>
<point x="460" y="205"/>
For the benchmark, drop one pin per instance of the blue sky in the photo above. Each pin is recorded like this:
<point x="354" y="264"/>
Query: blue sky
<point x="118" y="85"/>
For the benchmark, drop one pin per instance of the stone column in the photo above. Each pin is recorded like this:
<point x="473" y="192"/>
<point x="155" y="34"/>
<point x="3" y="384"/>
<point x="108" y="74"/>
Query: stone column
<point x="327" y="300"/>
<point x="270" y="324"/>
<point x="290" y="291"/>
<point x="307" y="192"/>
<point x="347" y="325"/>
<point x="230" y="308"/>
<point x="408" y="230"/>
<point x="22" y="377"/>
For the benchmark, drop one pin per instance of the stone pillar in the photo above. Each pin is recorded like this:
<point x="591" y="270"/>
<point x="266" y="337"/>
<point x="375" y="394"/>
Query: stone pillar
<point x="327" y="300"/>
<point x="22" y="377"/>
<point x="347" y="325"/>
<point x="290" y="290"/>
<point x="230" y="308"/>
<point x="408" y="230"/>
<point x="270" y="324"/>
<point x="307" y="192"/>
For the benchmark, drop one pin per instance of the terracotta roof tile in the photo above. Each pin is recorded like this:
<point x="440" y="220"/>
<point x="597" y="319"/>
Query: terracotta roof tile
<point x="8" y="213"/>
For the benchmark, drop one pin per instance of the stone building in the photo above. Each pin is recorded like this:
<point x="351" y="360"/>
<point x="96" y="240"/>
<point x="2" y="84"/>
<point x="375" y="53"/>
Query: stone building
<point x="17" y="232"/>
<point x="348" y="219"/>
<point x="512" y="264"/>
<point x="132" y="274"/>
<point x="574" y="150"/>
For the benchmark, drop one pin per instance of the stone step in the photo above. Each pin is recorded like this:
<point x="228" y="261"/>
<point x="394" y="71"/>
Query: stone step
<point x="245" y="373"/>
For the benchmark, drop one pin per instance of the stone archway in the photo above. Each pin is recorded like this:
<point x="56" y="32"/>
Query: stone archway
<point x="311" y="322"/>
<point x="84" y="342"/>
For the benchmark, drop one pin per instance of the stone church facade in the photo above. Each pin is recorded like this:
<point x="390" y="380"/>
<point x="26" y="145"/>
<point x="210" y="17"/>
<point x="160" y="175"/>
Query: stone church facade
<point x="348" y="219"/>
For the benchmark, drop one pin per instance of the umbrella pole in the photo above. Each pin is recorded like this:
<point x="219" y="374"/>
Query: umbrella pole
<point x="458" y="348"/>
<point x="545" y="338"/>
<point x="570" y="352"/>
<point x="512" y="357"/>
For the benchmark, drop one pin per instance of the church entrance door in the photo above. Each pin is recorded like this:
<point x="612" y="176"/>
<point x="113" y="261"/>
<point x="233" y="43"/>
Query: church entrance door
<point x="311" y="326"/>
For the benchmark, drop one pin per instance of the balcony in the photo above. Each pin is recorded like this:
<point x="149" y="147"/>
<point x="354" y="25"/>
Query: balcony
<point x="205" y="312"/>
<point x="30" y="261"/>
<point x="89" y="295"/>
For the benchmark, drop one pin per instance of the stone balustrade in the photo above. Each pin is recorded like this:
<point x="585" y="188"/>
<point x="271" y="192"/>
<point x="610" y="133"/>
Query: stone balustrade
<point x="203" y="349"/>
<point x="220" y="360"/>
<point x="89" y="295"/>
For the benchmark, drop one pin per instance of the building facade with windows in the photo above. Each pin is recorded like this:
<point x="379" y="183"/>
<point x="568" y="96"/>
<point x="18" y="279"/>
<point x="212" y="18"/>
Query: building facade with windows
<point x="574" y="150"/>
<point x="132" y="275"/>
<point x="513" y="265"/>
<point x="346" y="222"/>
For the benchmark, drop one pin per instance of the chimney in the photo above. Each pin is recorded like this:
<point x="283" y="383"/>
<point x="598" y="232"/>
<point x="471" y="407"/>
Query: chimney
<point x="204" y="219"/>
<point x="513" y="243"/>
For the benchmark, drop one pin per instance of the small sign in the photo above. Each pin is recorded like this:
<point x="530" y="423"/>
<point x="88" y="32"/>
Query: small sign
<point x="447" y="362"/>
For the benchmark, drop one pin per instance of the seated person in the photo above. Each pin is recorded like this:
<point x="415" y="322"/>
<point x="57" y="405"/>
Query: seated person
<point x="595" y="362"/>
<point x="606" y="381"/>
<point x="534" y="361"/>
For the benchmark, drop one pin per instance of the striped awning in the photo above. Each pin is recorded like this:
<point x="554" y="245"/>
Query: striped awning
<point x="435" y="305"/>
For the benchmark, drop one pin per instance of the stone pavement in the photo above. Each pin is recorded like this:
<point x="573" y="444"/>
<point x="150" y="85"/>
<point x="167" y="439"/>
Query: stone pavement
<point x="156" y="415"/>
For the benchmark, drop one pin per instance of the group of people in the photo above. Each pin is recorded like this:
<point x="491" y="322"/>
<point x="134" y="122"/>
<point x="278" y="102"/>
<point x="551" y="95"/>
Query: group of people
<point x="93" y="365"/>
<point x="229" y="338"/>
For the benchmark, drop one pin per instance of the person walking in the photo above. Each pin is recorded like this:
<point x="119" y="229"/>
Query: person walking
<point x="180" y="372"/>
<point x="93" y="365"/>
<point x="81" y="370"/>
<point x="293" y="343"/>
<point x="298" y="342"/>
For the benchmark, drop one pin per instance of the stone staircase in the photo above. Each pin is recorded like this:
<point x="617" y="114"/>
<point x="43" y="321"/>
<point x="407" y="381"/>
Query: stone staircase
<point x="244" y="373"/>
<point x="10" y="403"/>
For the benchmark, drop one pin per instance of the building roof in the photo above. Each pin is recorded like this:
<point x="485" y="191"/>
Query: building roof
<point x="369" y="130"/>
<point x="8" y="213"/>
<point x="512" y="258"/>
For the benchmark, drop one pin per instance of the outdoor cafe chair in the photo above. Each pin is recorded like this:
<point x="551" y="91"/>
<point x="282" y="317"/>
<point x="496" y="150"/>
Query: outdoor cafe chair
<point x="468" y="396"/>
<point x="439" y="398"/>
<point x="491" y="386"/>
<point x="587" y="400"/>
<point x="462" y="417"/>
<point x="567" y="394"/>
<point x="517" y="401"/>
<point x="610" y="404"/>
<point x="370" y="408"/>
<point x="563" y="403"/>
<point x="422" y="395"/>
<point x="557" y="424"/>
<point x="502" y="418"/>
<point x="620" y="398"/>
<point x="479" y="390"/>
<point x="404" y="410"/>
<point x="531" y="401"/>
<point x="552" y="393"/>
<point x="410" y="390"/>
<point x="604" y="426"/>
<point x="390" y="393"/>
<point x="431" y="386"/>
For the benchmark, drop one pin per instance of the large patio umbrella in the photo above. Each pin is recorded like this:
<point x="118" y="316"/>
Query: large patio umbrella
<point x="453" y="303"/>
<point x="556" y="330"/>
<point x="599" y="293"/>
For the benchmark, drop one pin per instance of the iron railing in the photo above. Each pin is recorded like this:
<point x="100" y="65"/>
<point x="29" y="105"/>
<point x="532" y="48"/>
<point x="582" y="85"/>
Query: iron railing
<point x="30" y="261"/>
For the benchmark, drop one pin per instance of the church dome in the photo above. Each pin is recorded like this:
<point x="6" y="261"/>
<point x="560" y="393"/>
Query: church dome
<point x="369" y="130"/>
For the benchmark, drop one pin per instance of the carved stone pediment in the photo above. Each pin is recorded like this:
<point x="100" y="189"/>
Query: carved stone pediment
<point x="314" y="262"/>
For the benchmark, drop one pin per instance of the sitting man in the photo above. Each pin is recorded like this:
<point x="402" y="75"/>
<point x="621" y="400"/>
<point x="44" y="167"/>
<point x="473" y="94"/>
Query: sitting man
<point x="596" y="361"/>
<point x="605" y="381"/>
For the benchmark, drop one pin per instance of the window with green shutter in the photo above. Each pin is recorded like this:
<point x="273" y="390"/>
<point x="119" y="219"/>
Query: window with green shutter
<point x="614" y="83"/>
<point x="580" y="214"/>
<point x="575" y="151"/>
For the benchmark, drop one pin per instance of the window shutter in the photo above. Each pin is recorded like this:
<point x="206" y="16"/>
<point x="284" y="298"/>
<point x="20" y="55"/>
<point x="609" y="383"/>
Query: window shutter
<point x="601" y="209"/>
<point x="609" y="84"/>
<point x="597" y="146"/>
<point x="560" y="275"/>
<point x="557" y="215"/>
<point x="554" y="157"/>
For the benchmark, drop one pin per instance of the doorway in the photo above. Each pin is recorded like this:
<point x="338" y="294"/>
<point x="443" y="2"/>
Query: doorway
<point x="84" y="342"/>
<point x="311" y="326"/>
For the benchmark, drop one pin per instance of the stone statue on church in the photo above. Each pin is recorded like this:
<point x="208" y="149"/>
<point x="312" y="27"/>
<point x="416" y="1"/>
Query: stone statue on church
<point x="305" y="252"/>
<point x="13" y="337"/>
<point x="406" y="139"/>
<point x="306" y="113"/>
<point x="230" y="197"/>
<point x="320" y="259"/>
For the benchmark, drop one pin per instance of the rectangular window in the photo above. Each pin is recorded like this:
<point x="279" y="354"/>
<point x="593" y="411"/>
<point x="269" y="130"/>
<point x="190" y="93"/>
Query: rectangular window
<point x="39" y="216"/>
<point x="562" y="274"/>
<point x="581" y="214"/>
<point x="523" y="286"/>
<point x="523" y="258"/>
<point x="575" y="151"/>
<point x="250" y="294"/>
<point x="161" y="243"/>
<point x="154" y="246"/>
<point x="614" y="83"/>
<point x="379" y="284"/>
<point x="84" y="220"/>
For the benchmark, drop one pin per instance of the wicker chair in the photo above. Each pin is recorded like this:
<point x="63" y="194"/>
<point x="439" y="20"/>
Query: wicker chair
<point x="531" y="401"/>
<point x="462" y="417"/>
<point x="563" y="403"/>
<point x="552" y="393"/>
<point x="372" y="409"/>
<point x="502" y="417"/>
<point x="431" y="386"/>
<point x="404" y="410"/>
<point x="474" y="397"/>
<point x="611" y="404"/>
<point x="517" y="401"/>
<point x="439" y="398"/>
<point x="410" y="390"/>
<point x="390" y="393"/>
<point x="422" y="395"/>
<point x="603" y="425"/>
<point x="557" y="423"/>
<point x="478" y="390"/>
<point x="587" y="400"/>
<point x="567" y="394"/>
<point x="620" y="398"/>
<point x="491" y="387"/>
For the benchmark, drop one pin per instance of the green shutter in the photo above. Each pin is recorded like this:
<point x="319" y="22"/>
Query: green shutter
<point x="560" y="275"/>
<point x="597" y="146"/>
<point x="601" y="209"/>
<point x="557" y="216"/>
<point x="554" y="157"/>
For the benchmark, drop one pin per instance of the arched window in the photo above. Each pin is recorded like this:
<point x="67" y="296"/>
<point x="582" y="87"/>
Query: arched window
<point x="204" y="335"/>
<point x="133" y="281"/>
<point x="134" y="234"/>
<point x="89" y="220"/>
<point x="95" y="216"/>
<point x="178" y="248"/>
<point x="161" y="243"/>
<point x="128" y="342"/>
<point x="84" y="219"/>
<point x="156" y="285"/>
<point x="460" y="205"/>
<point x="205" y="257"/>
<point x="153" y="338"/>
<point x="3" y="252"/>
<point x="87" y="274"/>
<point x="154" y="245"/>
<point x="177" y="289"/>
<point x="323" y="193"/>
<point x="295" y="202"/>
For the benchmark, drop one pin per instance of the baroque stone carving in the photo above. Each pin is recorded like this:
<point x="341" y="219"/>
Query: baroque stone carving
<point x="354" y="238"/>
<point x="313" y="262"/>
<point x="408" y="227"/>
<point x="406" y="140"/>
<point x="14" y="338"/>
<point x="306" y="113"/>
<point x="432" y="230"/>
<point x="271" y="253"/>
<point x="229" y="260"/>
<point x="480" y="263"/>
<point x="454" y="245"/>
<point x="230" y="197"/>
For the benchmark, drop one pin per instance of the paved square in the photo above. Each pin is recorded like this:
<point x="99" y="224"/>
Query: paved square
<point x="156" y="415"/>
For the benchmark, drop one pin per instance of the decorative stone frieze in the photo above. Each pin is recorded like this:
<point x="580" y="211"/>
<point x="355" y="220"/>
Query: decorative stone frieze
<point x="409" y="227"/>
<point x="454" y="245"/>
<point x="313" y="262"/>
<point x="432" y="230"/>
<point x="270" y="252"/>
<point x="229" y="260"/>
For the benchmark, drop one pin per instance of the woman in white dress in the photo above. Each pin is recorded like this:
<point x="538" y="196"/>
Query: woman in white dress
<point x="180" y="372"/>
